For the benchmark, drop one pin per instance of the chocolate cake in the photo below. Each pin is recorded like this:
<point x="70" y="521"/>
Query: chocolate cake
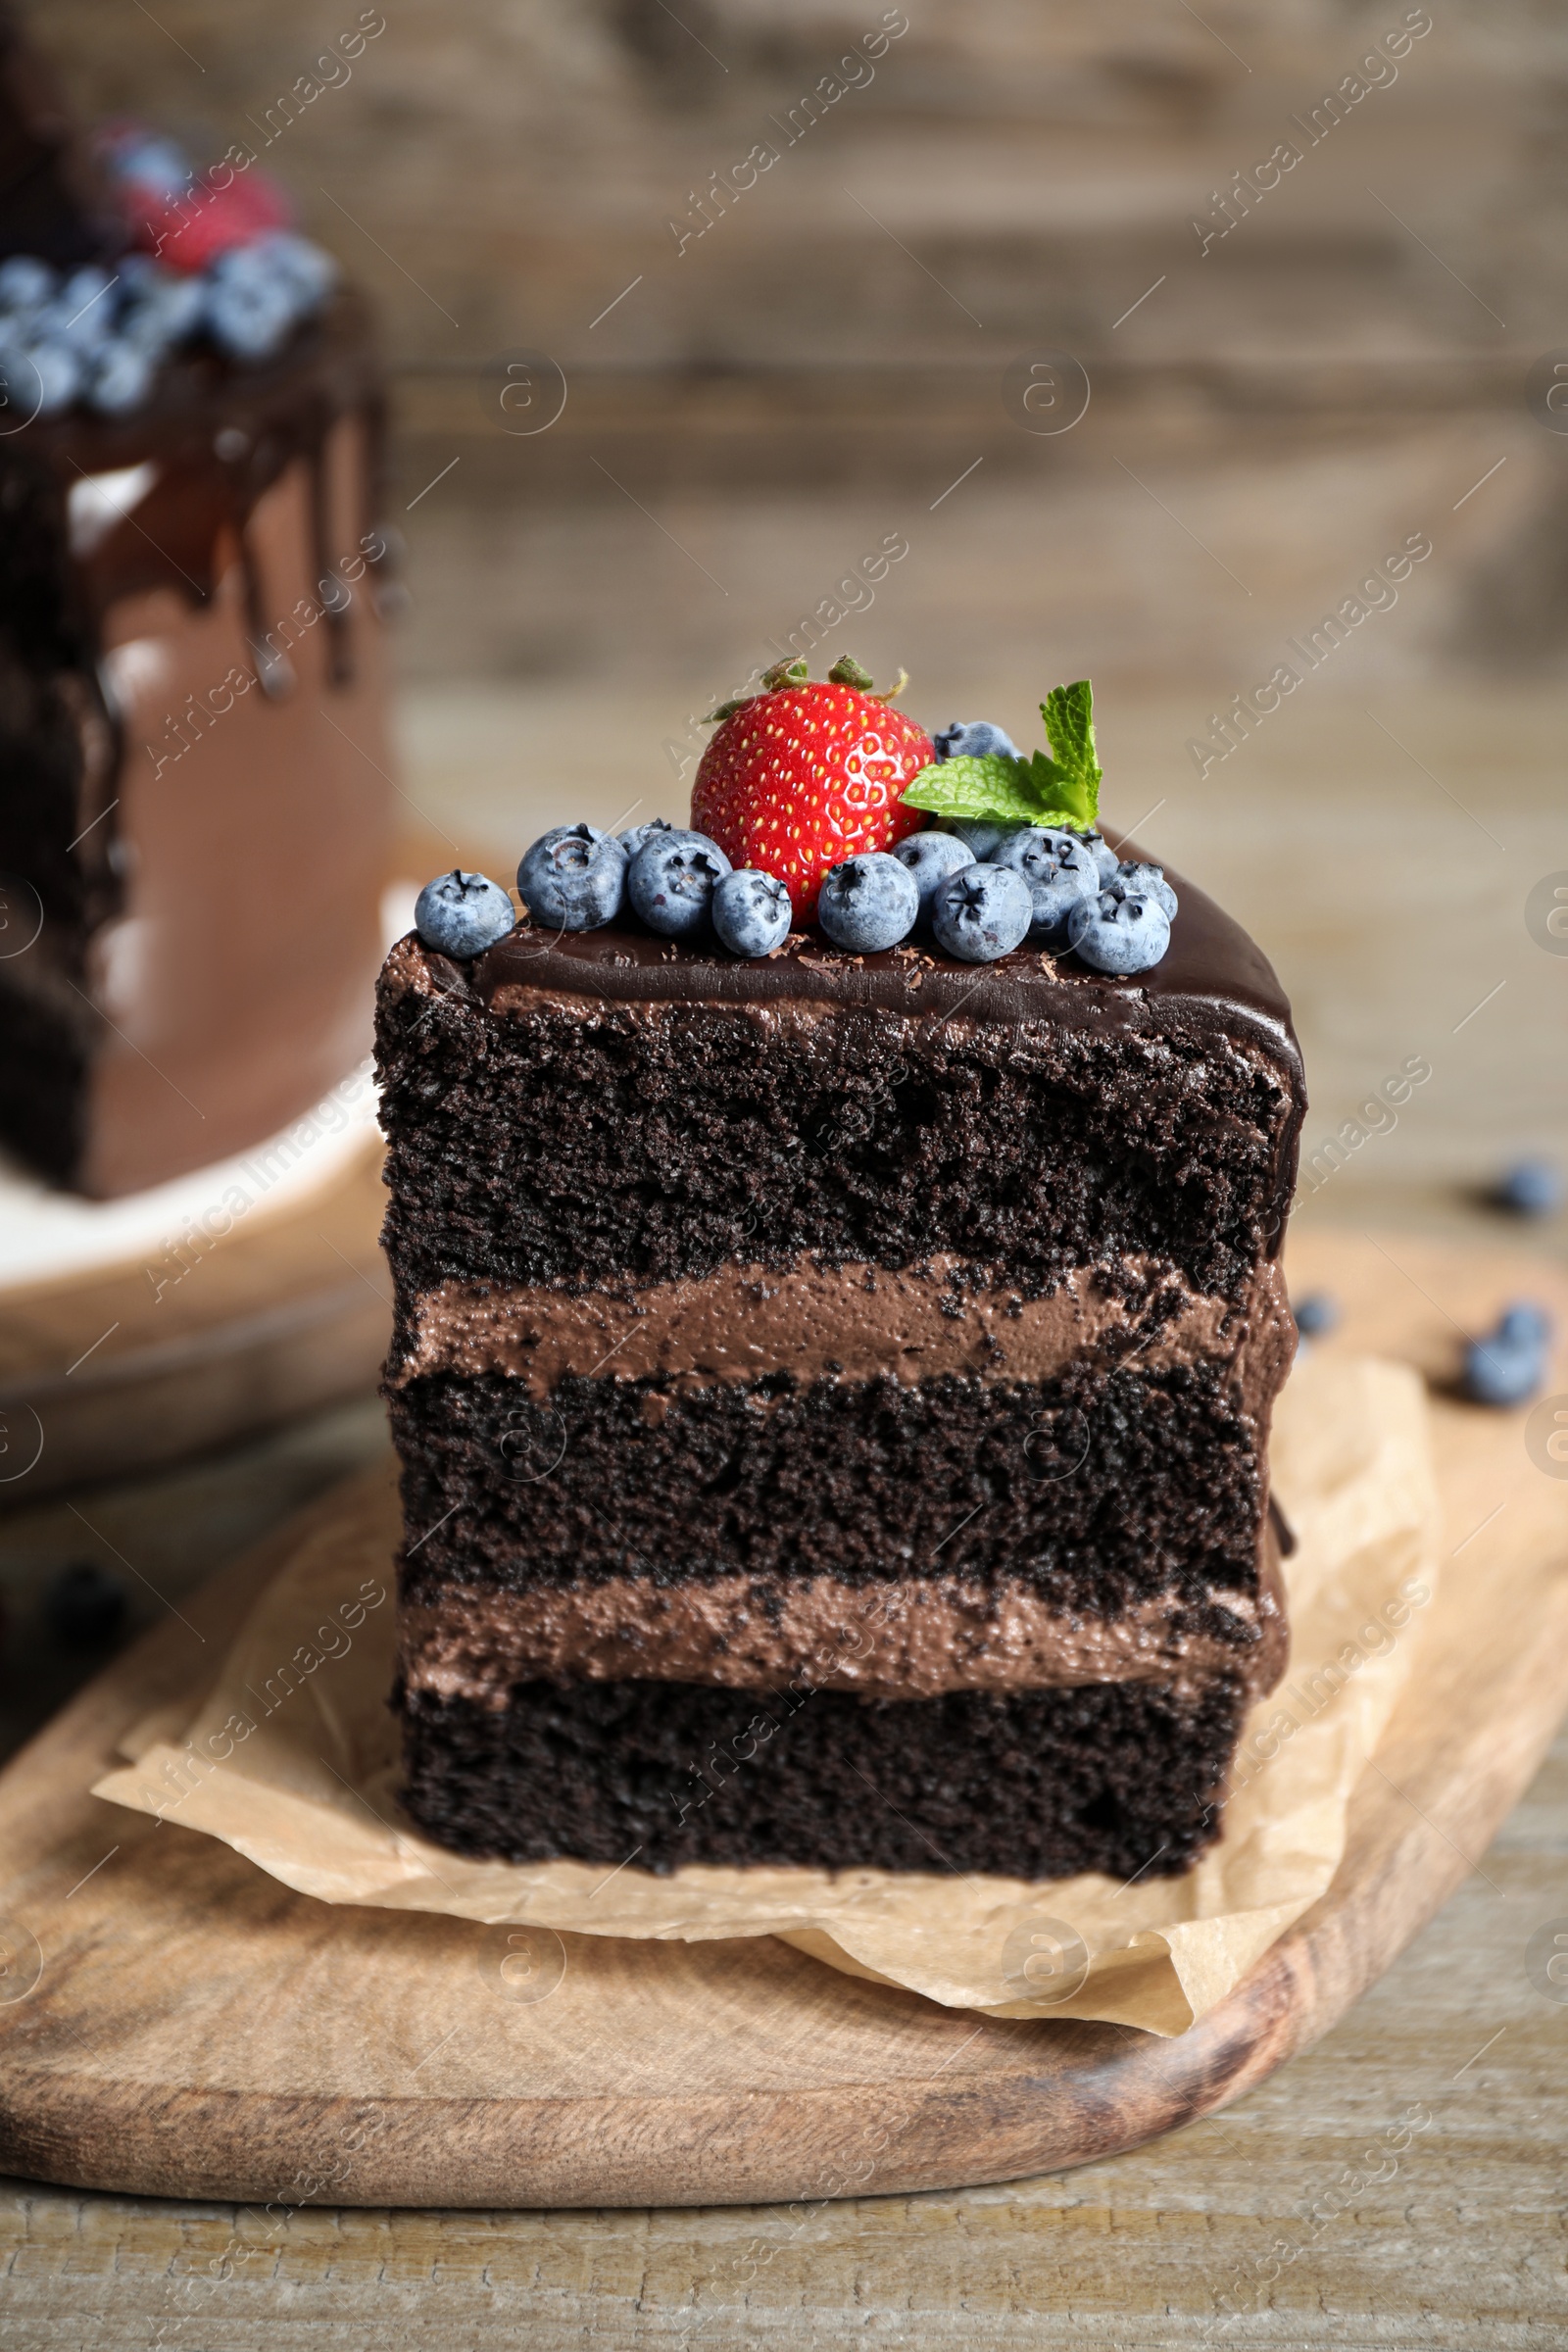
<point x="833" y="1393"/>
<point x="194" y="809"/>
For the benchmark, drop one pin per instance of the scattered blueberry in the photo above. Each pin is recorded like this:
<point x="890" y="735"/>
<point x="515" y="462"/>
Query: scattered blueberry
<point x="670" y="881"/>
<point x="1144" y="881"/>
<point x="931" y="856"/>
<point x="573" y="878"/>
<point x="751" y="912"/>
<point x="974" y="739"/>
<point x="84" y="1605"/>
<point x="868" y="903"/>
<point x="461" y="915"/>
<point x="1317" y="1314"/>
<point x="1505" y="1370"/>
<point x="632" y="840"/>
<point x="1120" y="932"/>
<point x="1530" y="1187"/>
<point x="981" y="912"/>
<point x="1524" y="1324"/>
<point x="1060" y="873"/>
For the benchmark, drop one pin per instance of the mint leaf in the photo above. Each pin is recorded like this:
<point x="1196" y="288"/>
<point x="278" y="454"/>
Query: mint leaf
<point x="1063" y="790"/>
<point x="995" y="788"/>
<point x="1070" y="715"/>
<point x="1058" y="800"/>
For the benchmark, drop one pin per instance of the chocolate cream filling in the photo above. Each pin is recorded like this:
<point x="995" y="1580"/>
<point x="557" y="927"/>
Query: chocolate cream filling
<point x="860" y="1323"/>
<point x="913" y="1639"/>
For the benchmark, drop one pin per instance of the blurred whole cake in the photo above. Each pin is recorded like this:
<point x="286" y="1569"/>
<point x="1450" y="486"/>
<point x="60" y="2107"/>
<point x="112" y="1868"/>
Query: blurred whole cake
<point x="194" y="807"/>
<point x="838" y="1316"/>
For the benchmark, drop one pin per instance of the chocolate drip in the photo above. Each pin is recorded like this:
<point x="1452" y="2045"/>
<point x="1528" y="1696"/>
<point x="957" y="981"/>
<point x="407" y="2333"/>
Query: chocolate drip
<point x="271" y="672"/>
<point x="334" y="594"/>
<point x="219" y="436"/>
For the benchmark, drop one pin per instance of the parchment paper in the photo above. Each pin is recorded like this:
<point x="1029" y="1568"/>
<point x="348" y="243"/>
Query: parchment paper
<point x="290" y="1757"/>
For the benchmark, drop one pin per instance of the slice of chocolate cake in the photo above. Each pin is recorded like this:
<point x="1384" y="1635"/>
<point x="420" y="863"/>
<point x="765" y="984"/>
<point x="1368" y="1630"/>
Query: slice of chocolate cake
<point x="833" y="1388"/>
<point x="194" y="805"/>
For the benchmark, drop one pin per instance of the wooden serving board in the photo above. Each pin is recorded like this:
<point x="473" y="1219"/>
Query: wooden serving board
<point x="182" y="2025"/>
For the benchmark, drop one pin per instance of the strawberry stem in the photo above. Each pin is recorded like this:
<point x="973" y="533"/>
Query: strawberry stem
<point x="847" y="671"/>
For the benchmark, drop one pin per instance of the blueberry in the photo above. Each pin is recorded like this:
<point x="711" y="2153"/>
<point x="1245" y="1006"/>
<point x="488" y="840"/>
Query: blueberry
<point x="981" y="912"/>
<point x="573" y="878"/>
<point x="1120" y="932"/>
<point x="249" y="307"/>
<point x="1060" y="873"/>
<point x="868" y="903"/>
<point x="162" y="310"/>
<point x="1103" y="855"/>
<point x="670" y="881"/>
<point x="1530" y="1187"/>
<point x="1503" y="1372"/>
<point x="47" y="374"/>
<point x="25" y="284"/>
<point x="307" y="273"/>
<point x="632" y="840"/>
<point x="121" y="378"/>
<point x="85" y="1605"/>
<point x="461" y="915"/>
<point x="974" y="739"/>
<point x="931" y="857"/>
<point x="1524" y="1324"/>
<point x="982" y="837"/>
<point x="1147" y="882"/>
<point x="83" y="313"/>
<point x="1317" y="1314"/>
<point x="137" y="272"/>
<point x="751" y="912"/>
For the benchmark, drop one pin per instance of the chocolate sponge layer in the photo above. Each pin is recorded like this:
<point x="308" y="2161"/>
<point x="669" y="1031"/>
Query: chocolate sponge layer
<point x="1100" y="1486"/>
<point x="1121" y="1778"/>
<point x="575" y="1145"/>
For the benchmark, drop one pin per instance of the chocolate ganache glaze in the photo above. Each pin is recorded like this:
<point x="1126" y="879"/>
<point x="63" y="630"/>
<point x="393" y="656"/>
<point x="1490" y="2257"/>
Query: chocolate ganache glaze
<point x="1211" y="971"/>
<point x="1212" y="981"/>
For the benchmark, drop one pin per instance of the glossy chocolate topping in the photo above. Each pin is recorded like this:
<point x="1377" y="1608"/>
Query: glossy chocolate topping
<point x="1212" y="974"/>
<point x="1213" y="987"/>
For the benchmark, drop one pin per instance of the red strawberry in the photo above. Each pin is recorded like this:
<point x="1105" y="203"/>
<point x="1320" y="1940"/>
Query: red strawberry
<point x="801" y="776"/>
